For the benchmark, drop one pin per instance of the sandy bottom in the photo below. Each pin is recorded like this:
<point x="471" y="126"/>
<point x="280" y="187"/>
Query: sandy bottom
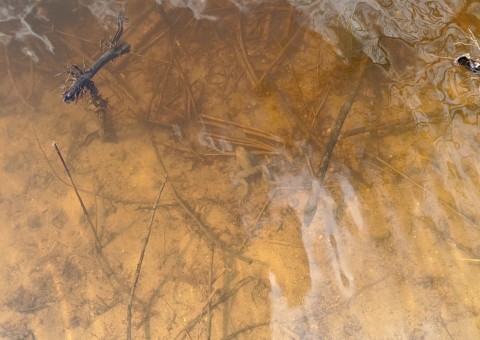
<point x="392" y="251"/>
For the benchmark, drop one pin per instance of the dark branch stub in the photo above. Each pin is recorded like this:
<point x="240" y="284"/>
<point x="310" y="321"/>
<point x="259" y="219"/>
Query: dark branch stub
<point x="469" y="63"/>
<point x="82" y="79"/>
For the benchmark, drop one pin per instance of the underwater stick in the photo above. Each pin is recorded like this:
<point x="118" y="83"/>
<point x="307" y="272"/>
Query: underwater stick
<point x="311" y="205"/>
<point x="10" y="75"/>
<point x="85" y="211"/>
<point x="83" y="79"/>
<point x="210" y="292"/>
<point x="140" y="261"/>
<point x="279" y="56"/>
<point x="209" y="234"/>
<point x="244" y="55"/>
<point x="203" y="228"/>
<point x="221" y="296"/>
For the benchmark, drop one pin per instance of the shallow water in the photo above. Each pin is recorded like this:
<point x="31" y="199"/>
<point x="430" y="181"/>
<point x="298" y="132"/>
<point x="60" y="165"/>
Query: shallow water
<point x="236" y="103"/>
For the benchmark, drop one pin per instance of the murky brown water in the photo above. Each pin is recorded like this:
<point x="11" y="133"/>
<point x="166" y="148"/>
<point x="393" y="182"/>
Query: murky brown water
<point x="237" y="105"/>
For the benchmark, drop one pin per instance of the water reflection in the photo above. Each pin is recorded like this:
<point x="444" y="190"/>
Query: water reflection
<point x="237" y="102"/>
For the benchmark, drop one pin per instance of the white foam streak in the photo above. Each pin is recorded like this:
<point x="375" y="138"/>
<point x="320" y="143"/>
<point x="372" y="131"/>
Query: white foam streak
<point x="26" y="30"/>
<point x="352" y="203"/>
<point x="322" y="232"/>
<point x="19" y="12"/>
<point x="356" y="17"/>
<point x="197" y="7"/>
<point x="282" y="317"/>
<point x="106" y="11"/>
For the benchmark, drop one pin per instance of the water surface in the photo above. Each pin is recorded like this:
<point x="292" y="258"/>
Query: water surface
<point x="236" y="103"/>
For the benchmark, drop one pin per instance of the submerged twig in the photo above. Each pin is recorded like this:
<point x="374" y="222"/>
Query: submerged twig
<point x="85" y="211"/>
<point x="311" y="205"/>
<point x="102" y="195"/>
<point x="206" y="231"/>
<point x="320" y="106"/>
<point x="12" y="79"/>
<point x="297" y="84"/>
<point x="253" y="228"/>
<point x="210" y="292"/>
<point x="449" y="206"/>
<point x="179" y="320"/>
<point x="322" y="170"/>
<point x="249" y="328"/>
<point x="210" y="120"/>
<point x="224" y="296"/>
<point x="286" y="108"/>
<point x="106" y="131"/>
<point x="396" y="126"/>
<point x="102" y="259"/>
<point x="140" y="261"/>
<point x="244" y="55"/>
<point x="83" y="79"/>
<point x="152" y="106"/>
<point x="190" y="98"/>
<point x="279" y="56"/>
<point x="247" y="142"/>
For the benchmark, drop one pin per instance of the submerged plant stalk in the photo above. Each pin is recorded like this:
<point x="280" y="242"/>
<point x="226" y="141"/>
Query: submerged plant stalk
<point x="311" y="205"/>
<point x="85" y="211"/>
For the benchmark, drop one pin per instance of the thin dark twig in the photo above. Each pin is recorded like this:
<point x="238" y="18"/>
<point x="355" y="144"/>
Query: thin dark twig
<point x="204" y="229"/>
<point x="85" y="211"/>
<point x="427" y="191"/>
<point x="224" y="296"/>
<point x="107" y="196"/>
<point x="151" y="106"/>
<point x="190" y="98"/>
<point x="46" y="158"/>
<point x="96" y="205"/>
<point x="311" y="205"/>
<point x="210" y="120"/>
<point x="105" y="264"/>
<point x="209" y="234"/>
<point x="210" y="291"/>
<point x="12" y="79"/>
<point x="297" y="85"/>
<point x="82" y="80"/>
<point x="279" y="56"/>
<point x="253" y="228"/>
<point x="179" y="319"/>
<point x="338" y="126"/>
<point x="164" y="86"/>
<point x="140" y="261"/>
<point x="243" y="53"/>
<point x="286" y="108"/>
<point x="320" y="106"/>
<point x="248" y="328"/>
